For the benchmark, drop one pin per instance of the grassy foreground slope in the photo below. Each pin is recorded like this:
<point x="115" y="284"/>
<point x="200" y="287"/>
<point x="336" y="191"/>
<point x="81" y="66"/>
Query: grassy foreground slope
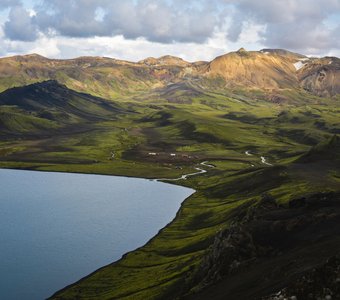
<point x="173" y="131"/>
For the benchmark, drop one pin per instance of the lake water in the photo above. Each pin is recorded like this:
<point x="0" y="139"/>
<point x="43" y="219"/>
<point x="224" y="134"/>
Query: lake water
<point x="55" y="228"/>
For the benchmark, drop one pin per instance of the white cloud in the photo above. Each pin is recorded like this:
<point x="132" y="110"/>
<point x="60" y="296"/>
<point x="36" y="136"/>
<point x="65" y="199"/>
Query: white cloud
<point x="46" y="46"/>
<point x="160" y="21"/>
<point x="118" y="47"/>
<point x="294" y="24"/>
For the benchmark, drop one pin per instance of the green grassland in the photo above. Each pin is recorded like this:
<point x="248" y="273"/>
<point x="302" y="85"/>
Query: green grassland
<point x="82" y="133"/>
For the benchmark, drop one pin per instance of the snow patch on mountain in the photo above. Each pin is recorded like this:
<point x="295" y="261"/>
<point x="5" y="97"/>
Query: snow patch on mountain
<point x="299" y="65"/>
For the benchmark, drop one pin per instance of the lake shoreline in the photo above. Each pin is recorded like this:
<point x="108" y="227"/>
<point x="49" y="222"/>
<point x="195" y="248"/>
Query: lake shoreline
<point x="192" y="191"/>
<point x="123" y="256"/>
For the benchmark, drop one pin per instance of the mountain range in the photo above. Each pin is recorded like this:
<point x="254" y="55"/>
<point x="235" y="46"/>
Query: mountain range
<point x="271" y="70"/>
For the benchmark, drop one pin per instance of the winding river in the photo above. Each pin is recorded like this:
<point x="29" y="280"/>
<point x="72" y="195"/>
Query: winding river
<point x="55" y="228"/>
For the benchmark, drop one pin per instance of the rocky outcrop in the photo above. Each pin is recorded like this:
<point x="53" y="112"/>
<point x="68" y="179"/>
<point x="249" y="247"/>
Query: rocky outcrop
<point x="269" y="247"/>
<point x="235" y="247"/>
<point x="320" y="283"/>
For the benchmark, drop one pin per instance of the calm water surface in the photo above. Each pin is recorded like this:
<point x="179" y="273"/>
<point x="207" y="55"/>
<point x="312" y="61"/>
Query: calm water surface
<point x="56" y="228"/>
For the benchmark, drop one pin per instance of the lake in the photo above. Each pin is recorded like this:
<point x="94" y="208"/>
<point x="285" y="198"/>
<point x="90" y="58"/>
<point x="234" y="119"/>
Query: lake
<point x="56" y="228"/>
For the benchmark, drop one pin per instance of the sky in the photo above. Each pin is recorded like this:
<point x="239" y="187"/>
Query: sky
<point x="191" y="29"/>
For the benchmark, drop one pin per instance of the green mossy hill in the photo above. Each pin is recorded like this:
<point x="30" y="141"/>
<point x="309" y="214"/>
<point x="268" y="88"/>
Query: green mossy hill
<point x="326" y="150"/>
<point x="49" y="107"/>
<point x="50" y="96"/>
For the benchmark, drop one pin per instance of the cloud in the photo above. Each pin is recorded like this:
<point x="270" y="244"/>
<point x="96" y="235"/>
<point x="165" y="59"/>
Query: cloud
<point x="292" y="24"/>
<point x="307" y="26"/>
<point x="20" y="25"/>
<point x="71" y="18"/>
<point x="160" y="21"/>
<point x="117" y="47"/>
<point x="8" y="3"/>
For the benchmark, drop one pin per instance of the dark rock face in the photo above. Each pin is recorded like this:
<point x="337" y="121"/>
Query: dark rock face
<point x="271" y="247"/>
<point x="320" y="283"/>
<point x="232" y="250"/>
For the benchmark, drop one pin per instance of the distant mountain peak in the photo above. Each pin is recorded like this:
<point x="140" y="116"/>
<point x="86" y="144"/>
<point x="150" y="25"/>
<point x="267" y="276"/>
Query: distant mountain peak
<point x="254" y="69"/>
<point x="31" y="57"/>
<point x="35" y="55"/>
<point x="241" y="50"/>
<point x="164" y="60"/>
